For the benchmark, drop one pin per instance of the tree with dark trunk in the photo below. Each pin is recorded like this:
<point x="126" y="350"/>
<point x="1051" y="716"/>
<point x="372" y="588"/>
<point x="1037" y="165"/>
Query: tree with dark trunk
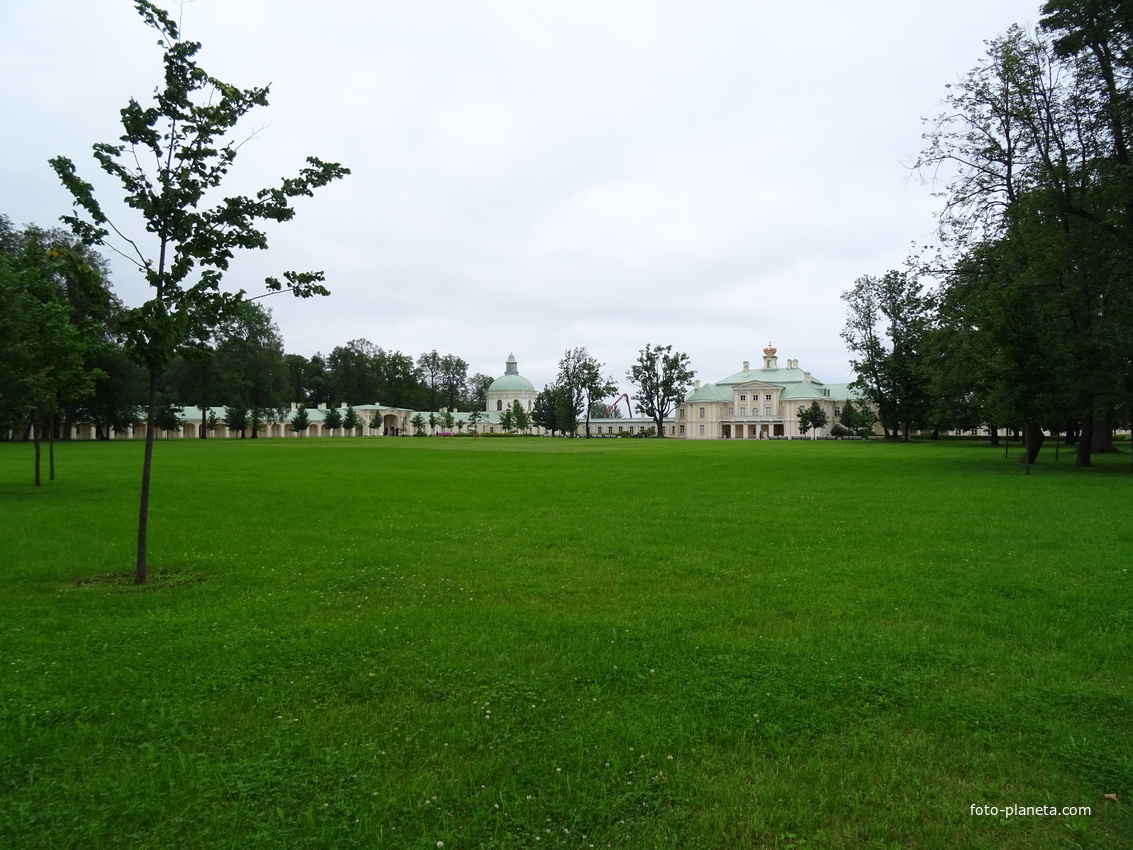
<point x="662" y="378"/>
<point x="171" y="157"/>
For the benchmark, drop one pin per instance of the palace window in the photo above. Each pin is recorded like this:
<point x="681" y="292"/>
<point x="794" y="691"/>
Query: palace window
<point x="767" y="410"/>
<point x="702" y="414"/>
<point x="768" y="397"/>
<point x="743" y="410"/>
<point x="682" y="413"/>
<point x="743" y="398"/>
<point x="702" y="430"/>
<point x="499" y="404"/>
<point x="682" y="429"/>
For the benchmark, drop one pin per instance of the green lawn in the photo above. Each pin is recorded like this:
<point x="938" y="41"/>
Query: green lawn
<point x="548" y="643"/>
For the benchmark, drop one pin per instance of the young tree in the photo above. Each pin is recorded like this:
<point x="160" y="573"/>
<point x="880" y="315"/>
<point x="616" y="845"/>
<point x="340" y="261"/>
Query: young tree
<point x="332" y="419"/>
<point x="236" y="418"/>
<point x="804" y="420"/>
<point x="212" y="422"/>
<point x="662" y="378"/>
<point x="816" y="417"/>
<point x="301" y="421"/>
<point x="168" y="418"/>
<point x="185" y="137"/>
<point x="418" y="425"/>
<point x="350" y="421"/>
<point x="507" y="420"/>
<point x="473" y="420"/>
<point x="376" y="421"/>
<point x="520" y="417"/>
<point x="447" y="420"/>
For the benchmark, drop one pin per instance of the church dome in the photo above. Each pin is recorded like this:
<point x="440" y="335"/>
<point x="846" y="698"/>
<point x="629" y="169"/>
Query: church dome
<point x="511" y="381"/>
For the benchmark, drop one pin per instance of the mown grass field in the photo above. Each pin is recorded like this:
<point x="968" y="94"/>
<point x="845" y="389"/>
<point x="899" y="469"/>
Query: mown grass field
<point x="549" y="643"/>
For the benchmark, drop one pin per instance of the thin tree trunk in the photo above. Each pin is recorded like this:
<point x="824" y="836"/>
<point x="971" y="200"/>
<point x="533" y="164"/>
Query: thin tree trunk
<point x="35" y="439"/>
<point x="143" y="508"/>
<point x="51" y="447"/>
<point x="994" y="435"/>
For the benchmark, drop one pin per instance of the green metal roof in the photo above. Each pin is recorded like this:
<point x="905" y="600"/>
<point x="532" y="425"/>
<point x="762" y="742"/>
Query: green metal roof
<point x="511" y="383"/>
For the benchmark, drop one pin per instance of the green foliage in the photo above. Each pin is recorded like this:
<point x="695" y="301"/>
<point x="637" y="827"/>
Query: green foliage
<point x="519" y="417"/>
<point x="662" y="378"/>
<point x="906" y="638"/>
<point x="507" y="420"/>
<point x="236" y="418"/>
<point x="170" y="161"/>
<point x="301" y="421"/>
<point x="332" y="418"/>
<point x="168" y="417"/>
<point x="52" y="299"/>
<point x="856" y="419"/>
<point x="350" y="420"/>
<point x="418" y="422"/>
<point x="580" y="377"/>
<point x="554" y="410"/>
<point x="887" y="322"/>
<point x="1035" y="311"/>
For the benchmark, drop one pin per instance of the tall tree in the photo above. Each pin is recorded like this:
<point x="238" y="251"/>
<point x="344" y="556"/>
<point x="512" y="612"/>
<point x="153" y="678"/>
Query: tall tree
<point x="44" y="353"/>
<point x="429" y="364"/>
<point x="1038" y="216"/>
<point x="554" y="410"/>
<point x="886" y="322"/>
<point x="580" y="374"/>
<point x="478" y="391"/>
<point x="453" y="380"/>
<point x="185" y="137"/>
<point x="353" y="372"/>
<point x="520" y="417"/>
<point x="250" y="362"/>
<point x="662" y="377"/>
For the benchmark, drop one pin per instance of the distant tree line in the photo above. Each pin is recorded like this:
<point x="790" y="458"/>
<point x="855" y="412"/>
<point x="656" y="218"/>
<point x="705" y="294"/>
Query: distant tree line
<point x="65" y="356"/>
<point x="1028" y="325"/>
<point x="75" y="336"/>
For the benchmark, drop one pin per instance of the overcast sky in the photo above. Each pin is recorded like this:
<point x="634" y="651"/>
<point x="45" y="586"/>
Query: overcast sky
<point x="533" y="176"/>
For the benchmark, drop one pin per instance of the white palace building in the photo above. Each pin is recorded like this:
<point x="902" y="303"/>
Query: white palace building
<point x="752" y="404"/>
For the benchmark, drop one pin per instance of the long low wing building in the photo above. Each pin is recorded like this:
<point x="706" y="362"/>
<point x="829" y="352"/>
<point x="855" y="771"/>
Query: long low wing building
<point x="761" y="403"/>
